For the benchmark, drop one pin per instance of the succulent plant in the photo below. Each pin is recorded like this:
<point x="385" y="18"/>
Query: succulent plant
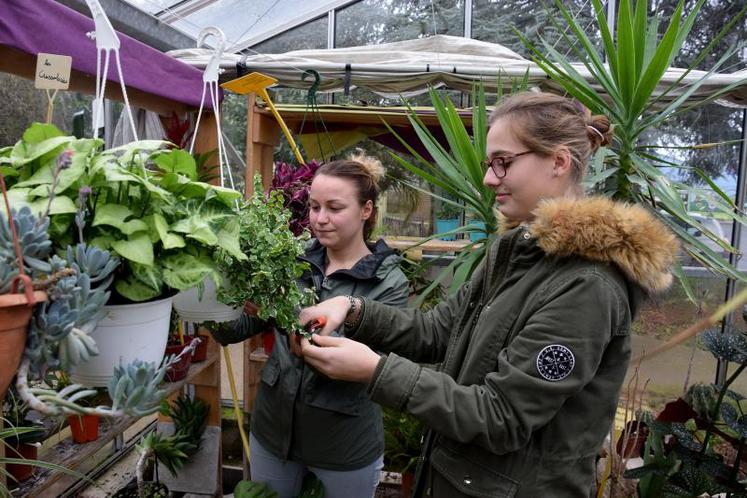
<point x="134" y="387"/>
<point x="190" y="417"/>
<point x="33" y="240"/>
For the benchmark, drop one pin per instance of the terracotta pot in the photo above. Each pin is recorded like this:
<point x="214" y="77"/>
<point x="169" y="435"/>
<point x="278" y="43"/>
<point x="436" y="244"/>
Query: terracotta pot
<point x="15" y="314"/>
<point x="200" y="353"/>
<point x="268" y="340"/>
<point x="85" y="428"/>
<point x="408" y="479"/>
<point x="178" y="370"/>
<point x="21" y="472"/>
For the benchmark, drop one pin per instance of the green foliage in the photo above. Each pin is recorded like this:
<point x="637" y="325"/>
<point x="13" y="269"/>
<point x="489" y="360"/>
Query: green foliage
<point x="635" y="103"/>
<point x="267" y="275"/>
<point x="171" y="451"/>
<point x="457" y="172"/>
<point x="402" y="440"/>
<point x="190" y="418"/>
<point x="693" y="462"/>
<point x="146" y="205"/>
<point x="9" y="434"/>
<point x="251" y="489"/>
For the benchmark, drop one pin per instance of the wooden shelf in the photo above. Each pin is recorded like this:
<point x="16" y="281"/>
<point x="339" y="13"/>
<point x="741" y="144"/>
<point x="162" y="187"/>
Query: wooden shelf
<point x="72" y="455"/>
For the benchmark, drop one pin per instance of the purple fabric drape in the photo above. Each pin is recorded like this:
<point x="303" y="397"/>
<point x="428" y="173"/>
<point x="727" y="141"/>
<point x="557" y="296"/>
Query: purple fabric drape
<point x="35" y="26"/>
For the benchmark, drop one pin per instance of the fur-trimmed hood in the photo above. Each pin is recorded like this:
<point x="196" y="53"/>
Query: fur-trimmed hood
<point x="600" y="229"/>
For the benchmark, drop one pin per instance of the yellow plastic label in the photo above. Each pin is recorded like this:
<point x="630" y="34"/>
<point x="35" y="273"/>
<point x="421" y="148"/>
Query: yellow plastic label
<point x="249" y="83"/>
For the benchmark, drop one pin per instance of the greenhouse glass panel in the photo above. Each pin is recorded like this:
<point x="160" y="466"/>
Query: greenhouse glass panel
<point x="153" y="7"/>
<point x="493" y="21"/>
<point x="712" y="17"/>
<point x="312" y="35"/>
<point x="705" y="138"/>
<point x="667" y="376"/>
<point x="241" y="20"/>
<point x="371" y="22"/>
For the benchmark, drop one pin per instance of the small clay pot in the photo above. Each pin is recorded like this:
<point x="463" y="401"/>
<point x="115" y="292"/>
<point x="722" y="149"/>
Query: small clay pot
<point x="85" y="428"/>
<point x="21" y="472"/>
<point x="200" y="353"/>
<point x="178" y="370"/>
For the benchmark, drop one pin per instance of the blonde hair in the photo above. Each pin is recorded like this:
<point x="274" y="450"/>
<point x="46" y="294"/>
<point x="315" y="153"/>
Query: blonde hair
<point x="543" y="121"/>
<point x="365" y="172"/>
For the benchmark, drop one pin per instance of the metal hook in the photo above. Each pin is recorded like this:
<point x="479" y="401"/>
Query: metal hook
<point x="311" y="96"/>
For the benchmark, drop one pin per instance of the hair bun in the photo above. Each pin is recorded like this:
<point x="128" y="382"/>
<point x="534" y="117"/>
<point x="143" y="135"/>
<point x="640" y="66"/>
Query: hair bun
<point x="371" y="164"/>
<point x="599" y="131"/>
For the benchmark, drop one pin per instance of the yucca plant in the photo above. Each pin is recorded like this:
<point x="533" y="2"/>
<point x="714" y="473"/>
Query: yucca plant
<point x="458" y="171"/>
<point x="629" y="73"/>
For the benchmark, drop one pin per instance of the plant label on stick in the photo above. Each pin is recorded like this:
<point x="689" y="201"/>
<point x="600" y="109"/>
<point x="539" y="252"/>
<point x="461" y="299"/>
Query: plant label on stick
<point x="52" y="71"/>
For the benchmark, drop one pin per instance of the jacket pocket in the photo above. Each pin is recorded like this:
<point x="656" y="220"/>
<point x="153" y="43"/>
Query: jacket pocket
<point x="270" y="372"/>
<point x="472" y="478"/>
<point x="338" y="396"/>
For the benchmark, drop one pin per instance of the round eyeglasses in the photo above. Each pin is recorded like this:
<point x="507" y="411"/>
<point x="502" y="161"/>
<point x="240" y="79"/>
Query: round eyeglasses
<point x="499" y="164"/>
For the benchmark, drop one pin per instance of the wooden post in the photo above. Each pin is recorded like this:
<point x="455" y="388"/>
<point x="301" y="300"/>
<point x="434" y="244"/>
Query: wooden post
<point x="206" y="141"/>
<point x="262" y="135"/>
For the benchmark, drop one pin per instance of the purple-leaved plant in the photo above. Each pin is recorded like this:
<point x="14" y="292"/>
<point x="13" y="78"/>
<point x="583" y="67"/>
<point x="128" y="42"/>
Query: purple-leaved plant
<point x="294" y="183"/>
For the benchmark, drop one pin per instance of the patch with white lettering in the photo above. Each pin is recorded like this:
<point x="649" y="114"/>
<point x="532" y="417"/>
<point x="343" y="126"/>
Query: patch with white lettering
<point x="555" y="362"/>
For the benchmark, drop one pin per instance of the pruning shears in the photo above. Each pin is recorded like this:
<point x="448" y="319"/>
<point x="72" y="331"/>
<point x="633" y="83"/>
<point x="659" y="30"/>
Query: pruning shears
<point x="313" y="327"/>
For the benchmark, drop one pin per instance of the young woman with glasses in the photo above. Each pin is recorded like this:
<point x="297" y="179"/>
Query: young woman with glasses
<point x="534" y="349"/>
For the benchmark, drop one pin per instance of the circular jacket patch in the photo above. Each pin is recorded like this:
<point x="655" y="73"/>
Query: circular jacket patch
<point x="555" y="362"/>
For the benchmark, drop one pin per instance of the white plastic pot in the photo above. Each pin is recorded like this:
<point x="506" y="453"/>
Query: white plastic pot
<point x="192" y="309"/>
<point x="127" y="332"/>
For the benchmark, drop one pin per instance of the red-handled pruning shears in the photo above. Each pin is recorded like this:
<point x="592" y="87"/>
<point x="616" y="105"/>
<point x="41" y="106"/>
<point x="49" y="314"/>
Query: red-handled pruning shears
<point x="313" y="327"/>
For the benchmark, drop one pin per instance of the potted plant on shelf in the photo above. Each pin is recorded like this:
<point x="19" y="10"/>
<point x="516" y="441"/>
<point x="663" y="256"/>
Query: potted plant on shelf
<point x="448" y="219"/>
<point x="146" y="206"/>
<point x="402" y="440"/>
<point x="24" y="444"/>
<point x="84" y="427"/>
<point x="172" y="451"/>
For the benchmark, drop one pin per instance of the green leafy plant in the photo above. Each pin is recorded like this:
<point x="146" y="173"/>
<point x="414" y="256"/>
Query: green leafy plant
<point x="11" y="433"/>
<point x="457" y="171"/>
<point x="141" y="201"/>
<point x="629" y="72"/>
<point x="402" y="440"/>
<point x="190" y="418"/>
<point x="686" y="451"/>
<point x="267" y="275"/>
<point x="251" y="489"/>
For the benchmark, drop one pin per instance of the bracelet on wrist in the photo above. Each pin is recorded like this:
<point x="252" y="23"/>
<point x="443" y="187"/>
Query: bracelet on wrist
<point x="353" y="313"/>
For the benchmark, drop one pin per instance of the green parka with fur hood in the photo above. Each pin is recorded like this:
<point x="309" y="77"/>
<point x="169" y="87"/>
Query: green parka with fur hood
<point x="533" y="352"/>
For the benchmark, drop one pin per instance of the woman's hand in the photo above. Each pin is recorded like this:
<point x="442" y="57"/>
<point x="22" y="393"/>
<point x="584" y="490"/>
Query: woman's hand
<point x="341" y="358"/>
<point x="335" y="310"/>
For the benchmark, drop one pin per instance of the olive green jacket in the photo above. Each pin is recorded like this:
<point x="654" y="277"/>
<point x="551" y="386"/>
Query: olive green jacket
<point x="303" y="415"/>
<point x="533" y="352"/>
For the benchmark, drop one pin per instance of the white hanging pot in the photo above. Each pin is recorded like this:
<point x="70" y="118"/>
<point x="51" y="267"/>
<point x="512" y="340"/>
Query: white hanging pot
<point x="126" y="333"/>
<point x="193" y="309"/>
